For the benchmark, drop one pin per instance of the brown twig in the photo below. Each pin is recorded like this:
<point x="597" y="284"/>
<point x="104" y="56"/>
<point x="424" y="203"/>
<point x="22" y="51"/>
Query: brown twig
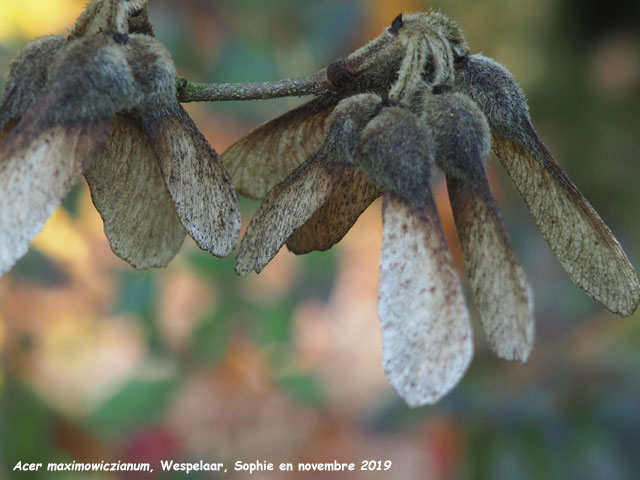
<point x="315" y="84"/>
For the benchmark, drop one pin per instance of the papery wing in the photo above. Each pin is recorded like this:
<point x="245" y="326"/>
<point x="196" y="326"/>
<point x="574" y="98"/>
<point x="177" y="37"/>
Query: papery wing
<point x="500" y="289"/>
<point x="127" y="188"/>
<point x="60" y="135"/>
<point x="289" y="205"/>
<point x="37" y="169"/>
<point x="264" y="157"/>
<point x="583" y="243"/>
<point x="426" y="333"/>
<point x="329" y="224"/>
<point x="197" y="181"/>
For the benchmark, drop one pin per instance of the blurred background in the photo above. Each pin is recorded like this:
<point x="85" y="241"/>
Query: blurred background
<point x="101" y="362"/>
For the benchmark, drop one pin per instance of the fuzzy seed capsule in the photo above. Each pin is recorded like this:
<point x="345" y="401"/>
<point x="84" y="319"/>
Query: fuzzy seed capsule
<point x="396" y="151"/>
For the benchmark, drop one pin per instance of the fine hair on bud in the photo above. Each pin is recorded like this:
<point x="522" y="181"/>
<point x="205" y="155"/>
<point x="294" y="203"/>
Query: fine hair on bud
<point x="27" y="76"/>
<point x="139" y="21"/>
<point x="461" y="134"/>
<point x="346" y="123"/>
<point x="106" y="16"/>
<point x="450" y="29"/>
<point x="91" y="80"/>
<point x="154" y="73"/>
<point x="496" y="92"/>
<point x="430" y="40"/>
<point x="396" y="151"/>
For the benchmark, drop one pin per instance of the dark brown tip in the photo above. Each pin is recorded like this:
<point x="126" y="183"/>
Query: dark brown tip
<point x="396" y="25"/>
<point x="122" y="38"/>
<point x="460" y="60"/>
<point x="385" y="103"/>
<point x="442" y="88"/>
<point x="339" y="75"/>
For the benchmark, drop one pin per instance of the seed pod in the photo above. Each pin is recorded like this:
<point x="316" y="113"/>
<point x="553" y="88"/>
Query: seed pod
<point x="89" y="80"/>
<point x="427" y="340"/>
<point x="397" y="153"/>
<point x="426" y="333"/>
<point x="500" y="289"/>
<point x="106" y="16"/>
<point x="265" y="156"/>
<point x="461" y="134"/>
<point x="154" y="73"/>
<point x="346" y="123"/>
<point x="292" y="202"/>
<point x="497" y="94"/>
<point x="27" y="76"/>
<point x="196" y="179"/>
<point x="59" y="137"/>
<point x="582" y="242"/>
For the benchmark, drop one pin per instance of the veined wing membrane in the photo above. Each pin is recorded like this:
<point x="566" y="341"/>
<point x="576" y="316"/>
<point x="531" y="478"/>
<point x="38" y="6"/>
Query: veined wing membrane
<point x="334" y="219"/>
<point x="426" y="333"/>
<point x="127" y="189"/>
<point x="289" y="205"/>
<point x="584" y="245"/>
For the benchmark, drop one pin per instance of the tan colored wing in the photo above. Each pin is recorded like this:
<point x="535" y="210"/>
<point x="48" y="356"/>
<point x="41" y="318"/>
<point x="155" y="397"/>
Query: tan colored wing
<point x="289" y="205"/>
<point x="584" y="245"/>
<point x="127" y="188"/>
<point x="37" y="169"/>
<point x="500" y="289"/>
<point x="426" y="333"/>
<point x="197" y="181"/>
<point x="334" y="219"/>
<point x="264" y="157"/>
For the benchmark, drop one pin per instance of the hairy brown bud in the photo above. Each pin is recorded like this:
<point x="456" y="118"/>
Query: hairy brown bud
<point x="346" y="123"/>
<point x="497" y="94"/>
<point x="90" y="79"/>
<point x="154" y="73"/>
<point x="139" y="21"/>
<point x="106" y="16"/>
<point x="583" y="243"/>
<point x="269" y="153"/>
<point x="461" y="134"/>
<point x="27" y="76"/>
<point x="396" y="151"/>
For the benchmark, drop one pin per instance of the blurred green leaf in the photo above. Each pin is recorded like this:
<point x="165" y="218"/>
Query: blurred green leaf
<point x="210" y="339"/>
<point x="317" y="274"/>
<point x="70" y="201"/>
<point x="137" y="403"/>
<point x="136" y="293"/>
<point x="303" y="387"/>
<point x="37" y="268"/>
<point x="27" y="427"/>
<point x="274" y="322"/>
<point x="211" y="267"/>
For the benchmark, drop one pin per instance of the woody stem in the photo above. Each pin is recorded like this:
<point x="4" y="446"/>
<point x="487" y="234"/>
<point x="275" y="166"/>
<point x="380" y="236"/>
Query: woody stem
<point x="315" y="84"/>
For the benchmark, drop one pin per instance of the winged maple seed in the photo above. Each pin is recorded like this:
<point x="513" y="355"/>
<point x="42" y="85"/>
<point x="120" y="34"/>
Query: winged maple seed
<point x="442" y="106"/>
<point x="106" y="107"/>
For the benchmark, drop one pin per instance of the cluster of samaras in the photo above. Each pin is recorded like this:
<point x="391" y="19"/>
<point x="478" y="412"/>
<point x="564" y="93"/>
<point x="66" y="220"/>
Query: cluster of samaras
<point x="411" y="99"/>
